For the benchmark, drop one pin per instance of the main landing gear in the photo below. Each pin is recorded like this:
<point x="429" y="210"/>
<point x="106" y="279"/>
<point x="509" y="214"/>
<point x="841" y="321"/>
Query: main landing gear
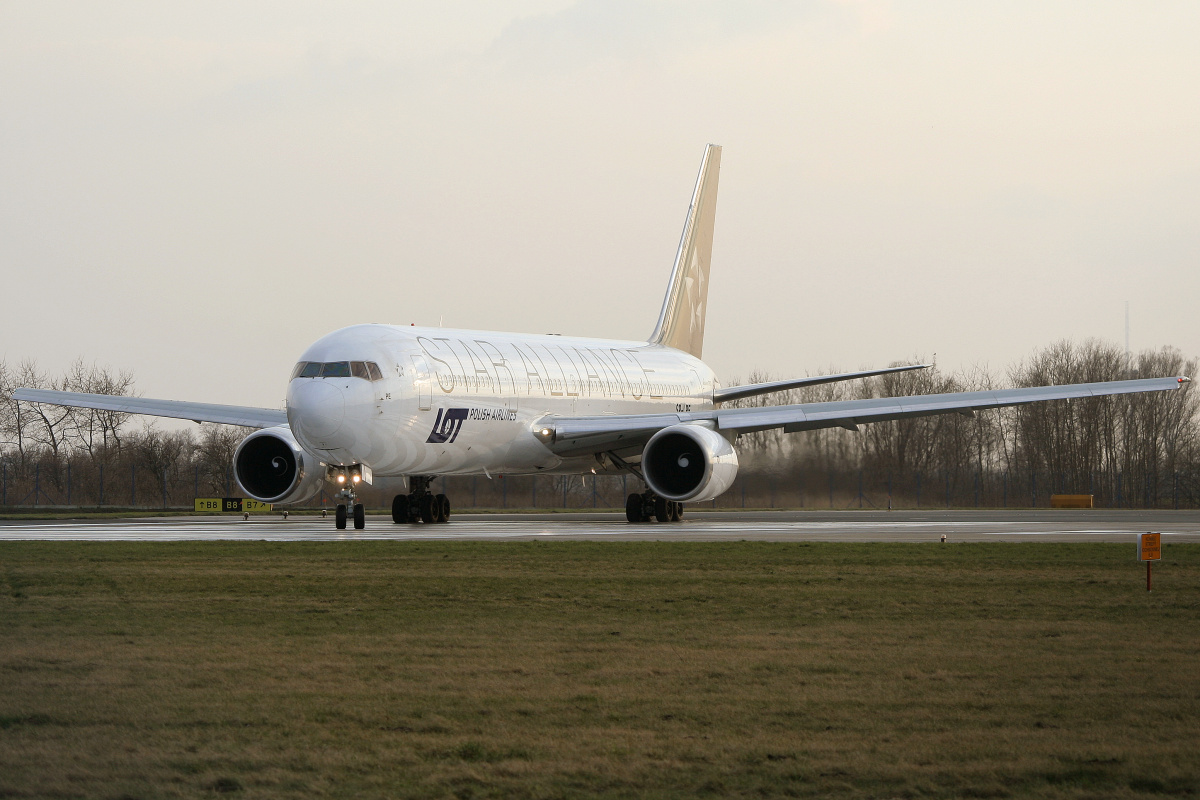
<point x="646" y="506"/>
<point x="420" y="505"/>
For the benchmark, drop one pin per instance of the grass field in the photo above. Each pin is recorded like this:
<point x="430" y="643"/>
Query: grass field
<point x="577" y="669"/>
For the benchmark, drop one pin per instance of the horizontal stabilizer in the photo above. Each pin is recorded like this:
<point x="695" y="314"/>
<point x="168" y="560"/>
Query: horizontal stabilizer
<point x="246" y="416"/>
<point x="752" y="389"/>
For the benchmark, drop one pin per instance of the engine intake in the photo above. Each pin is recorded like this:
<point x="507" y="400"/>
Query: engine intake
<point x="270" y="467"/>
<point x="689" y="462"/>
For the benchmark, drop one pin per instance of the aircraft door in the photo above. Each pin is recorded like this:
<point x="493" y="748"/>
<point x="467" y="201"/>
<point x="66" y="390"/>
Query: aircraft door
<point x="421" y="382"/>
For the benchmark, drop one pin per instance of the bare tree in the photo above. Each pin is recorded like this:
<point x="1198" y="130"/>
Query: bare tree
<point x="48" y="424"/>
<point x="96" y="432"/>
<point x="213" y="455"/>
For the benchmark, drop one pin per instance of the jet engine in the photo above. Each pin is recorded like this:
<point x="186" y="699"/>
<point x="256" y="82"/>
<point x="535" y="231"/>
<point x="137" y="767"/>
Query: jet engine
<point x="689" y="462"/>
<point x="272" y="467"/>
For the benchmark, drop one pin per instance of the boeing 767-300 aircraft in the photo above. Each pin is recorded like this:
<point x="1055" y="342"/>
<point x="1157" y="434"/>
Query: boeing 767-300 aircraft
<point x="374" y="401"/>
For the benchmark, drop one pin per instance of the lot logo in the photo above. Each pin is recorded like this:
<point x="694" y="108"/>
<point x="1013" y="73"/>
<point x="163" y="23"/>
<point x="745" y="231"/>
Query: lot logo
<point x="447" y="425"/>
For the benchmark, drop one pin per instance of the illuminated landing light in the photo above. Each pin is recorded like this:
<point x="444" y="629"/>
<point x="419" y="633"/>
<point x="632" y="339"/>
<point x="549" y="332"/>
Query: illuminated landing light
<point x="341" y="478"/>
<point x="357" y="477"/>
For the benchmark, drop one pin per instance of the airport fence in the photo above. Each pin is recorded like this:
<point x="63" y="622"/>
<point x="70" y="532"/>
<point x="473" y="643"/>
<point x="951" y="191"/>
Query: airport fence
<point x="46" y="484"/>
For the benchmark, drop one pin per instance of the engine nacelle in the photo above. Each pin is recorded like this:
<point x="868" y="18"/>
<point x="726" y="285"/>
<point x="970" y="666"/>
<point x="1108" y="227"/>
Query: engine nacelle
<point x="272" y="467"/>
<point x="689" y="462"/>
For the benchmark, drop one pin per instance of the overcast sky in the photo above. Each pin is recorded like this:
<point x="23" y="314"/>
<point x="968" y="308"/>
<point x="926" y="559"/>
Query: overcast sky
<point x="196" y="192"/>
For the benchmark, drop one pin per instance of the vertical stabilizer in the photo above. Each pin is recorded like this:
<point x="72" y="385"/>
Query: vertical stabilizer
<point x="681" y="322"/>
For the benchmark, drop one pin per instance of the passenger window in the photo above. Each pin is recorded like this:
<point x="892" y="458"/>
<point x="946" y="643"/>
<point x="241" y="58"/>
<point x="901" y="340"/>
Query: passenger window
<point x="311" y="370"/>
<point x="336" y="369"/>
<point x="373" y="369"/>
<point x="359" y="370"/>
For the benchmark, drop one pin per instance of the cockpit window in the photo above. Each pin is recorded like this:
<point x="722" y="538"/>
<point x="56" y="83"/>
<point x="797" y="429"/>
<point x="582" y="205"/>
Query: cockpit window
<point x="367" y="370"/>
<point x="336" y="369"/>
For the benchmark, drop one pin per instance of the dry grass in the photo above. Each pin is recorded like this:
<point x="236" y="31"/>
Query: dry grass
<point x="597" y="669"/>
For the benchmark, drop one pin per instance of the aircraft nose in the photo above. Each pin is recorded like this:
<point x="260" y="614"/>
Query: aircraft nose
<point x="316" y="408"/>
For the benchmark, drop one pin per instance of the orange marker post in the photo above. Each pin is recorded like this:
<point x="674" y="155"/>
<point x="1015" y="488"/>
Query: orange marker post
<point x="1149" y="550"/>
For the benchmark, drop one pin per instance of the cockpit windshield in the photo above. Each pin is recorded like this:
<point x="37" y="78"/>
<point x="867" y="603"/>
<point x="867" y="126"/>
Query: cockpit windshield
<point x="367" y="370"/>
<point x="336" y="369"/>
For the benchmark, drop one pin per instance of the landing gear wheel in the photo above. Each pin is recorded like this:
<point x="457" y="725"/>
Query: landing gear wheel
<point x="428" y="512"/>
<point x="662" y="509"/>
<point x="676" y="512"/>
<point x="400" y="509"/>
<point x="633" y="508"/>
<point x="443" y="507"/>
<point x="339" y="517"/>
<point x="360" y="517"/>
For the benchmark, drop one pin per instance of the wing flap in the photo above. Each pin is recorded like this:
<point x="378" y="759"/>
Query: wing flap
<point x="246" y="416"/>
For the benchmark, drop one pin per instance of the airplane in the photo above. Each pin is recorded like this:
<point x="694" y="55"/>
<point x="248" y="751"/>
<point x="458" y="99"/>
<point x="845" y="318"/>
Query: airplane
<point x="414" y="403"/>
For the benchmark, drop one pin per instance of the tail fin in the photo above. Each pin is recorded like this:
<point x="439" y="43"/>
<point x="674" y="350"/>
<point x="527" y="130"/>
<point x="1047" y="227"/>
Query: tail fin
<point x="681" y="321"/>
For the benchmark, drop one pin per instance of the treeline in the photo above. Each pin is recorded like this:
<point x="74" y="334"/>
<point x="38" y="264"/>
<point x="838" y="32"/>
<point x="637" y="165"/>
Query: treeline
<point x="1140" y="450"/>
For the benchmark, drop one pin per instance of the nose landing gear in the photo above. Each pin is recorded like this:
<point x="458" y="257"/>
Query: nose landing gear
<point x="356" y="511"/>
<point x="349" y="507"/>
<point x="420" y="505"/>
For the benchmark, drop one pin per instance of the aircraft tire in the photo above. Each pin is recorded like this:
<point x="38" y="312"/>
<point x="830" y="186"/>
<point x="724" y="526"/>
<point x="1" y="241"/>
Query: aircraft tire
<point x="443" y="507"/>
<point x="339" y="517"/>
<point x="633" y="508"/>
<point x="662" y="509"/>
<point x="400" y="509"/>
<point x="428" y="512"/>
<point x="360" y="517"/>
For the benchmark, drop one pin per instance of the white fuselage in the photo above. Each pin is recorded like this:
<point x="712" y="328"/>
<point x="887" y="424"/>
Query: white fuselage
<point x="463" y="402"/>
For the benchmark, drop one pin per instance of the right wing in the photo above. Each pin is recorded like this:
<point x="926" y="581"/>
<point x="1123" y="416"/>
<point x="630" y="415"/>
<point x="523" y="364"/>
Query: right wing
<point x="851" y="413"/>
<point x="570" y="436"/>
<point x="246" y="416"/>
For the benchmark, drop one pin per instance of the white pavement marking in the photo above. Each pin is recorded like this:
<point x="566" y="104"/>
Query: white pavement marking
<point x="274" y="529"/>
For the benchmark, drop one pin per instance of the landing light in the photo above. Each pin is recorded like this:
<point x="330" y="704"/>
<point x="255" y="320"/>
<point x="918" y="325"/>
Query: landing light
<point x="545" y="431"/>
<point x="341" y="478"/>
<point x="357" y="477"/>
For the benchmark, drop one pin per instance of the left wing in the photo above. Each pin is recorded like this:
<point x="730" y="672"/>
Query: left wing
<point x="569" y="436"/>
<point x="247" y="416"/>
